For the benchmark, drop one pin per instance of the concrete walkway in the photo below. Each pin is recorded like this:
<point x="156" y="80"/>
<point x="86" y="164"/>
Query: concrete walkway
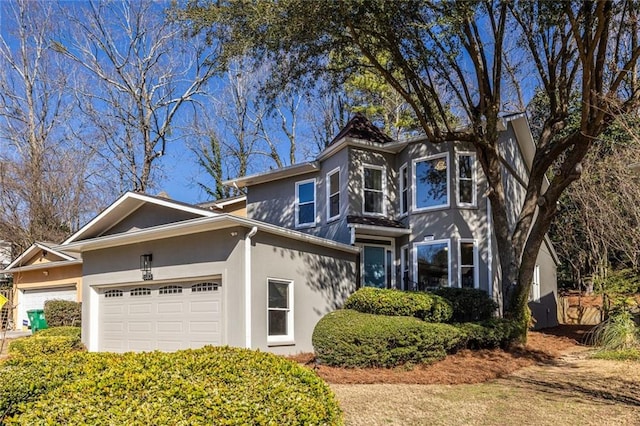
<point x="14" y="334"/>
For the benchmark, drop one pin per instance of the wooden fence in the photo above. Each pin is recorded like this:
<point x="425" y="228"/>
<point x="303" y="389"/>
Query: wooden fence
<point x="578" y="309"/>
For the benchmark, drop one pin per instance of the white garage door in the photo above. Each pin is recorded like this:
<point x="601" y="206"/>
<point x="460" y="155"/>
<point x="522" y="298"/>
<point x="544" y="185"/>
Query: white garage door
<point x="35" y="298"/>
<point x="164" y="317"/>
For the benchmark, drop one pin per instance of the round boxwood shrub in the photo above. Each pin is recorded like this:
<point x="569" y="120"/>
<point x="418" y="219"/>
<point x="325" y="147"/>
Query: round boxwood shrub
<point x="59" y="313"/>
<point x="212" y="385"/>
<point x="428" y="307"/>
<point x="353" y="339"/>
<point x="491" y="333"/>
<point x="469" y="304"/>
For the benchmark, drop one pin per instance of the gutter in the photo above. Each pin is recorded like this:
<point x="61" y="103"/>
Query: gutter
<point x="247" y="285"/>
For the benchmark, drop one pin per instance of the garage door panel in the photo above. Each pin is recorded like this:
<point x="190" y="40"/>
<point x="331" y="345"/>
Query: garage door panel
<point x="160" y="318"/>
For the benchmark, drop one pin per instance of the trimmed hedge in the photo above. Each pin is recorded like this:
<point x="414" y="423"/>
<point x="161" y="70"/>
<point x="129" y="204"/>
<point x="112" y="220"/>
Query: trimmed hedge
<point x="492" y="333"/>
<point x="44" y="345"/>
<point x="212" y="385"/>
<point x="67" y="331"/>
<point x="427" y="307"/>
<point x="469" y="304"/>
<point x="59" y="313"/>
<point x="353" y="339"/>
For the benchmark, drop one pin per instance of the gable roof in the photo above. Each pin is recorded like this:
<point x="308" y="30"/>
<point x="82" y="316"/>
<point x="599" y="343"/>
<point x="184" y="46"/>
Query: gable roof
<point x="359" y="127"/>
<point x="123" y="207"/>
<point x="18" y="263"/>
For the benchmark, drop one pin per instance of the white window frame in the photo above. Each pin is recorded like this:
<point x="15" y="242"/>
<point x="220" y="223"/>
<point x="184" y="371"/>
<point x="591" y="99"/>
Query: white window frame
<point x="289" y="337"/>
<point x="428" y="243"/>
<point x="330" y="194"/>
<point x="389" y="248"/>
<point x="414" y="186"/>
<point x="405" y="259"/>
<point x="297" y="202"/>
<point x="383" y="191"/>
<point x="475" y="266"/>
<point x="404" y="190"/>
<point x="535" y="284"/>
<point x="474" y="179"/>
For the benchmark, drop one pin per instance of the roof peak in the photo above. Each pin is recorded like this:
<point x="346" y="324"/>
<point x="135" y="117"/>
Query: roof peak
<point x="360" y="127"/>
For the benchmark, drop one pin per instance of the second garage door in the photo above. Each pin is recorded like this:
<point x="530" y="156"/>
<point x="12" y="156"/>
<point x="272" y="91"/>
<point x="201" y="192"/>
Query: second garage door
<point x="164" y="317"/>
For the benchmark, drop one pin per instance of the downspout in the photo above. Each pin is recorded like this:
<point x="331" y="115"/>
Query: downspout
<point x="247" y="285"/>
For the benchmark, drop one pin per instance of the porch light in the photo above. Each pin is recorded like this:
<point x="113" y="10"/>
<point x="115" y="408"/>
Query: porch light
<point x="145" y="266"/>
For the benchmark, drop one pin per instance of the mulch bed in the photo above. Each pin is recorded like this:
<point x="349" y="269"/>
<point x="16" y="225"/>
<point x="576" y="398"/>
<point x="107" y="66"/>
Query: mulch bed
<point x="465" y="366"/>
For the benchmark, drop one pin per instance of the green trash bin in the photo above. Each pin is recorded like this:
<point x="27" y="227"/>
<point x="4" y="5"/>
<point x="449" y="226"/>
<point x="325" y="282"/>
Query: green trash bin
<point x="37" y="320"/>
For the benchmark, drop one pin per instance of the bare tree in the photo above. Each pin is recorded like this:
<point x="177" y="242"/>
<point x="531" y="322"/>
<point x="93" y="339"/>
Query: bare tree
<point x="142" y="73"/>
<point x="45" y="183"/>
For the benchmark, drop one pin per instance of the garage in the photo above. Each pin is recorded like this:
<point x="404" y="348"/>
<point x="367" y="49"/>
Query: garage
<point x="166" y="317"/>
<point x="29" y="299"/>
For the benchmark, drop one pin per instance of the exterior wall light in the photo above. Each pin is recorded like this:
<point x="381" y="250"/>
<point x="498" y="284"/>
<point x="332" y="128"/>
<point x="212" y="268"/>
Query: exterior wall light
<point x="145" y="266"/>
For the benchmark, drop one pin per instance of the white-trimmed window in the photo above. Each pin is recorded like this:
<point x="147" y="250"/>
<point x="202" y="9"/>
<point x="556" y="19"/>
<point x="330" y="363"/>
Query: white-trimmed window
<point x="431" y="182"/>
<point x="535" y="285"/>
<point x="280" y="311"/>
<point x="404" y="189"/>
<point x="374" y="185"/>
<point x="333" y="194"/>
<point x="466" y="179"/>
<point x="468" y="263"/>
<point x="404" y="268"/>
<point x="432" y="262"/>
<point x="306" y="203"/>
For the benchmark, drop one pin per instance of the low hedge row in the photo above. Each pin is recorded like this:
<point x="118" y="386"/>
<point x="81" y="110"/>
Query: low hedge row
<point x="492" y="333"/>
<point x="428" y="307"/>
<point x="353" y="339"/>
<point x="469" y="304"/>
<point x="212" y="385"/>
<point x="47" y="341"/>
<point x="60" y="313"/>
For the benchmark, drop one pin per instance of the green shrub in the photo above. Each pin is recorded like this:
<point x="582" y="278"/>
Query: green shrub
<point x="352" y="339"/>
<point x="212" y="385"/>
<point x="469" y="304"/>
<point x="60" y="313"/>
<point x="618" y="355"/>
<point x="44" y="345"/>
<point x="427" y="307"/>
<point x="491" y="333"/>
<point x="623" y="281"/>
<point x="61" y="331"/>
<point x="619" y="331"/>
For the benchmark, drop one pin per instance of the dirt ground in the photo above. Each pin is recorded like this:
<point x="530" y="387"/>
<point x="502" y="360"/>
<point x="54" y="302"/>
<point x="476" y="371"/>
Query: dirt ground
<point x="465" y="366"/>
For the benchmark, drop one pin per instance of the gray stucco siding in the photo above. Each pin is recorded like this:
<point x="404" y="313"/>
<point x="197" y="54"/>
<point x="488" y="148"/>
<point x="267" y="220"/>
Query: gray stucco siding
<point x="545" y="310"/>
<point x="322" y="279"/>
<point x="149" y="215"/>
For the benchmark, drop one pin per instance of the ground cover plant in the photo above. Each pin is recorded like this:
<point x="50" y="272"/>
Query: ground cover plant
<point x="212" y="385"/>
<point x="47" y="341"/>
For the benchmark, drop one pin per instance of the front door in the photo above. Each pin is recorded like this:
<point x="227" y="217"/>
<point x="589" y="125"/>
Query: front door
<point x="377" y="263"/>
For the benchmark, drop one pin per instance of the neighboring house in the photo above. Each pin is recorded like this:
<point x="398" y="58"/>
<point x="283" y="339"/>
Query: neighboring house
<point x="158" y="274"/>
<point x="417" y="211"/>
<point x="41" y="273"/>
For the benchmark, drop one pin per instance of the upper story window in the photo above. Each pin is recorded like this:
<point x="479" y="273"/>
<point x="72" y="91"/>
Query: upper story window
<point x="466" y="178"/>
<point x="431" y="182"/>
<point x="373" y="188"/>
<point x="404" y="189"/>
<point x="333" y="194"/>
<point x="306" y="203"/>
<point x="468" y="260"/>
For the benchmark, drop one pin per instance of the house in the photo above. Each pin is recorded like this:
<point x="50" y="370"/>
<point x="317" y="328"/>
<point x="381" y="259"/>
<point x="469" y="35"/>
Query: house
<point x="417" y="211"/>
<point x="368" y="211"/>
<point x="43" y="272"/>
<point x="159" y="274"/>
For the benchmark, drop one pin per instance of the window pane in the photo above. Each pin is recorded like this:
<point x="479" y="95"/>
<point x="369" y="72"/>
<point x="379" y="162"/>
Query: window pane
<point x="334" y="205"/>
<point x="466" y="253"/>
<point x="278" y="323"/>
<point x="468" y="278"/>
<point x="466" y="191"/>
<point x="305" y="213"/>
<point x="431" y="183"/>
<point x="374" y="267"/>
<point x="373" y="179"/>
<point x="433" y="265"/>
<point x="334" y="183"/>
<point x="305" y="192"/>
<point x="464" y="167"/>
<point x="373" y="202"/>
<point x="278" y="295"/>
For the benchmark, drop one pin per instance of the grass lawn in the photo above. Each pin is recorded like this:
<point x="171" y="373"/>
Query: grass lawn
<point x="570" y="390"/>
